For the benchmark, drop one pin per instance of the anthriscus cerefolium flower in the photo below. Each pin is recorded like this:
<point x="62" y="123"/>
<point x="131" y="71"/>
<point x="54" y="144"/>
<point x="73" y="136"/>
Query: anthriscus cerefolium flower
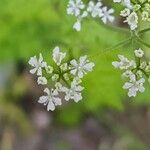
<point x="134" y="71"/>
<point x="135" y="11"/>
<point x="65" y="77"/>
<point x="81" y="11"/>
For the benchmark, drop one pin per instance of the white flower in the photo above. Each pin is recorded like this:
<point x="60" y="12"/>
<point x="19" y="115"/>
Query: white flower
<point x="58" y="86"/>
<point x="49" y="69"/>
<point x="37" y="64"/>
<point x="66" y="76"/>
<point x="51" y="99"/>
<point x="125" y="12"/>
<point x="55" y="77"/>
<point x="74" y="7"/>
<point x="134" y="86"/>
<point x="145" y="15"/>
<point x="107" y="15"/>
<point x="58" y="56"/>
<point x="42" y="80"/>
<point x="139" y="53"/>
<point x="132" y="20"/>
<point x="127" y="74"/>
<point x="139" y="73"/>
<point x="77" y="80"/>
<point x="124" y="63"/>
<point x="68" y="73"/>
<point x="127" y="3"/>
<point x="95" y="9"/>
<point x="73" y="93"/>
<point x="143" y="65"/>
<point x="136" y="7"/>
<point x="82" y="67"/>
<point x="77" y="24"/>
<point x="64" y="67"/>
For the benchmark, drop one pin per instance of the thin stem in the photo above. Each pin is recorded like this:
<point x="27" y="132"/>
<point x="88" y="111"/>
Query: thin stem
<point x="65" y="81"/>
<point x="115" y="46"/>
<point x="119" y="44"/>
<point x="144" y="30"/>
<point x="142" y="42"/>
<point x="144" y="73"/>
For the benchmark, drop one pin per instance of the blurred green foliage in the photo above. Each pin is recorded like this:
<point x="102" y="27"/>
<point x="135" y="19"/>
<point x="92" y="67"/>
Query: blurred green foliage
<point x="30" y="27"/>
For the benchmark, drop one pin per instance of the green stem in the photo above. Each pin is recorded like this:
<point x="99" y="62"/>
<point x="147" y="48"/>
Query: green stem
<point x="65" y="81"/>
<point x="137" y="61"/>
<point x="144" y="73"/>
<point x="119" y="44"/>
<point x="115" y="46"/>
<point x="144" y="30"/>
<point x="142" y="42"/>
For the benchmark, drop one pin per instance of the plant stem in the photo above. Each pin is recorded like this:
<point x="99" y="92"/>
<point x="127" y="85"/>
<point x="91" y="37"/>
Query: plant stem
<point x="144" y="73"/>
<point x="115" y="46"/>
<point x="142" y="42"/>
<point x="144" y="30"/>
<point x="119" y="44"/>
<point x="62" y="77"/>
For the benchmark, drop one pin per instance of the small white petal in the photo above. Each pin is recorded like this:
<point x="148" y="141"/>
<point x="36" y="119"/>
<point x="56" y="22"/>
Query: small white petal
<point x="33" y="71"/>
<point x="116" y="64"/>
<point x="42" y="99"/>
<point x="33" y="61"/>
<point x="73" y="62"/>
<point x="57" y="101"/>
<point x="42" y="80"/>
<point x="131" y="93"/>
<point x="127" y="85"/>
<point x="47" y="91"/>
<point x="77" y="97"/>
<point x="77" y="26"/>
<point x="89" y="66"/>
<point x="40" y="58"/>
<point x="39" y="71"/>
<point x="50" y="106"/>
<point x="80" y="74"/>
<point x="74" y="71"/>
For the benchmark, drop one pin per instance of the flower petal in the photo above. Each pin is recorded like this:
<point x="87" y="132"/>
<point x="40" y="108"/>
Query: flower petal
<point x="42" y="99"/>
<point x="50" y="106"/>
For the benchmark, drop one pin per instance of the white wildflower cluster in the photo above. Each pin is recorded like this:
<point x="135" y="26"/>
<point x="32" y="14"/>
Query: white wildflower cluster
<point x="96" y="10"/>
<point x="134" y="11"/>
<point x="65" y="77"/>
<point x="134" y="71"/>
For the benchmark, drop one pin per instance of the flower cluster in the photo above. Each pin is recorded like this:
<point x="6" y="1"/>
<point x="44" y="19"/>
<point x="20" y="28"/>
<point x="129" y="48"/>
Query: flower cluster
<point x="135" y="11"/>
<point x="65" y="77"/>
<point x="80" y="10"/>
<point x="135" y="71"/>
